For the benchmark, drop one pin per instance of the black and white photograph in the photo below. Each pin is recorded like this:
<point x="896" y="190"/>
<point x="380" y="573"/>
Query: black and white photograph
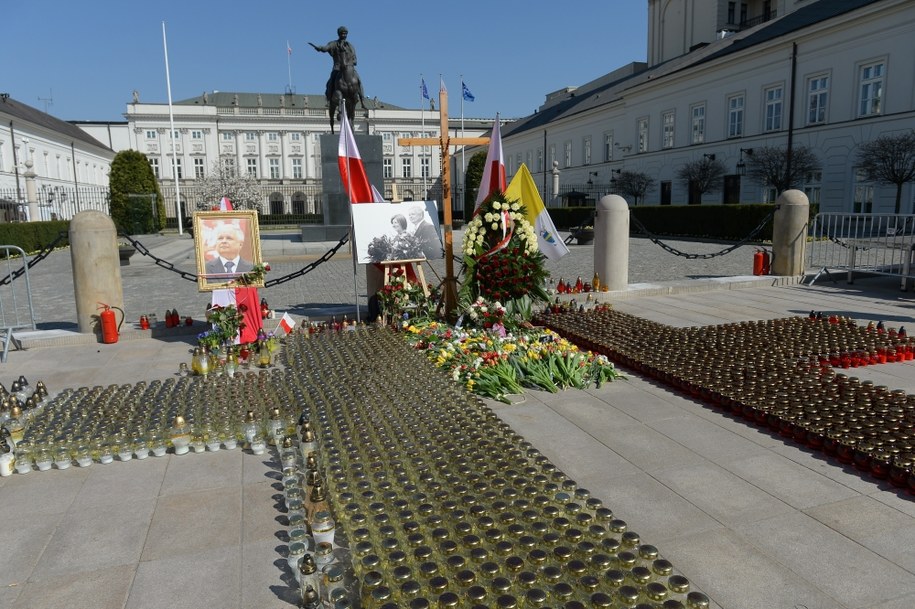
<point x="397" y="231"/>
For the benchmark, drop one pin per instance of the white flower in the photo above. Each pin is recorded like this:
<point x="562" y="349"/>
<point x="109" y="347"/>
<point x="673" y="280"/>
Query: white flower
<point x="496" y="205"/>
<point x="495" y="225"/>
<point x="516" y="206"/>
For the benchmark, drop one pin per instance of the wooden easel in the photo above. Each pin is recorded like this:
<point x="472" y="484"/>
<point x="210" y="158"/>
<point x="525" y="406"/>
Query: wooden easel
<point x="402" y="265"/>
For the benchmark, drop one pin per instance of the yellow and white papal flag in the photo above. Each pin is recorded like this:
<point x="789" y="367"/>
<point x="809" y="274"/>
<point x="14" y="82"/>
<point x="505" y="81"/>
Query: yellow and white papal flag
<point x="522" y="188"/>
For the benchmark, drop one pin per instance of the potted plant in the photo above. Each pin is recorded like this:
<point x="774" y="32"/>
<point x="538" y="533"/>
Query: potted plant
<point x="584" y="235"/>
<point x="125" y="251"/>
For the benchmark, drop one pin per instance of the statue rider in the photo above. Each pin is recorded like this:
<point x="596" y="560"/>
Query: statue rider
<point x="343" y="54"/>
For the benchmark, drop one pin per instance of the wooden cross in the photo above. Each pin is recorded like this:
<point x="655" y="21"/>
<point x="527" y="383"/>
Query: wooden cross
<point x="445" y="142"/>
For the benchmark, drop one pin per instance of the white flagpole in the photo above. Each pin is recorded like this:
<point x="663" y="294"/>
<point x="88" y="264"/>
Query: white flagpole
<point x="289" y="64"/>
<point x="422" y="105"/>
<point x="349" y="189"/>
<point x="171" y="122"/>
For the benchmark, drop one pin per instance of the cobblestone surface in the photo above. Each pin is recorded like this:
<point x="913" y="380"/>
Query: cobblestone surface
<point x="149" y="288"/>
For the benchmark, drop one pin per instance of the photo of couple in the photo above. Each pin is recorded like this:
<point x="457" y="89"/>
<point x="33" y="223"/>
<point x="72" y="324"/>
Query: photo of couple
<point x="397" y="231"/>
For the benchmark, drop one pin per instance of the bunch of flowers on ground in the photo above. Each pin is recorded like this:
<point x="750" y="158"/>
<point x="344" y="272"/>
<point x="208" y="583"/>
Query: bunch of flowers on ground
<point x="402" y="297"/>
<point x="226" y="323"/>
<point x="498" y="366"/>
<point x="485" y="315"/>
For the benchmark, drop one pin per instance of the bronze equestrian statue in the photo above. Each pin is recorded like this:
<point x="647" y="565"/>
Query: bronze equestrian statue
<point x="344" y="83"/>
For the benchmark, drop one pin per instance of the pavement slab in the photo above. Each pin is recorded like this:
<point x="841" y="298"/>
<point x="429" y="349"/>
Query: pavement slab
<point x="753" y="520"/>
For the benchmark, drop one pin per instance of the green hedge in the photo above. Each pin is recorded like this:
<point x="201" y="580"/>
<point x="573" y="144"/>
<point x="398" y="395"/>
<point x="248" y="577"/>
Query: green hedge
<point x="34" y="236"/>
<point x="725" y="222"/>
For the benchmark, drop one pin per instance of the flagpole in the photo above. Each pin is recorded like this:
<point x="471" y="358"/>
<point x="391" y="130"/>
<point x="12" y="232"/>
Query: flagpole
<point x="463" y="166"/>
<point x="349" y="190"/>
<point x="171" y="122"/>
<point x="422" y="105"/>
<point x="289" y="64"/>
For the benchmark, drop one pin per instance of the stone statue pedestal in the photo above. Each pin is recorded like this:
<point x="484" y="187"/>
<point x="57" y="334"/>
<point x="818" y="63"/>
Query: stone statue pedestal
<point x="334" y="200"/>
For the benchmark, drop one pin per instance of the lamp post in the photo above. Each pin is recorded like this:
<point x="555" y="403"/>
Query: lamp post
<point x="741" y="165"/>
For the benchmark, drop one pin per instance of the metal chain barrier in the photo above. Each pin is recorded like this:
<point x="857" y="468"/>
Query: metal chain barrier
<point x="837" y="241"/>
<point x="267" y="284"/>
<point x="310" y="267"/>
<point x="656" y="240"/>
<point x="62" y="236"/>
<point x="165" y="264"/>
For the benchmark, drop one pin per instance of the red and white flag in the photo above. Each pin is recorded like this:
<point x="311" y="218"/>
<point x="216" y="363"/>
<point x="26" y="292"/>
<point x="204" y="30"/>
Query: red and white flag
<point x="494" y="170"/>
<point x="225" y="204"/>
<point x="287" y="323"/>
<point x="352" y="171"/>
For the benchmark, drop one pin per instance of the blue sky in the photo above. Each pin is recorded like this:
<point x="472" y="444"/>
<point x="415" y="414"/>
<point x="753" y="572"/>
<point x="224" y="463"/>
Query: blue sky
<point x="89" y="56"/>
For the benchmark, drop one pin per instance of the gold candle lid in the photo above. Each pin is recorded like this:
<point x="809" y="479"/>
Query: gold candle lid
<point x="310" y="596"/>
<point x="179" y="421"/>
<point x="308" y="566"/>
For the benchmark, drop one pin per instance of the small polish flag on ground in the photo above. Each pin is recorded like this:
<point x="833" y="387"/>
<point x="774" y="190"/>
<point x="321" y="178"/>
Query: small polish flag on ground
<point x="287" y="323"/>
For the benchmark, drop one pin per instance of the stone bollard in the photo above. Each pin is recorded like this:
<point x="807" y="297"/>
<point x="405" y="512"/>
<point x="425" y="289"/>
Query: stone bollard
<point x="789" y="233"/>
<point x="611" y="242"/>
<point x="96" y="266"/>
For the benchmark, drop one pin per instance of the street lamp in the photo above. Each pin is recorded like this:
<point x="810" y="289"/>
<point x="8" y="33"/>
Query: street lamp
<point x="590" y="181"/>
<point x="710" y="157"/>
<point x="741" y="165"/>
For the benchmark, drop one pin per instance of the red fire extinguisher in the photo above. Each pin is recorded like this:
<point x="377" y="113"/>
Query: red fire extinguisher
<point x="110" y="329"/>
<point x="761" y="262"/>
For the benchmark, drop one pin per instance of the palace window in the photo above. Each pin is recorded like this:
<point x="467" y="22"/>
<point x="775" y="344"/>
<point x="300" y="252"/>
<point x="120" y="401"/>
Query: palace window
<point x="871" y="89"/>
<point x="774" y="105"/>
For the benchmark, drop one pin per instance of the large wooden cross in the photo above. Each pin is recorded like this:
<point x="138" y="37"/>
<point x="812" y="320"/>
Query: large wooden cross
<point x="445" y="142"/>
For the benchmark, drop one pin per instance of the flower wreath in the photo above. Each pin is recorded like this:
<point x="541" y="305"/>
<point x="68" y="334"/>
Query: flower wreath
<point x="502" y="260"/>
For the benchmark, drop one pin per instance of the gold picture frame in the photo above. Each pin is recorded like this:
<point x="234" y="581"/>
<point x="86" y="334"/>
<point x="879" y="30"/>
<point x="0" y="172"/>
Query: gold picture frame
<point x="233" y="233"/>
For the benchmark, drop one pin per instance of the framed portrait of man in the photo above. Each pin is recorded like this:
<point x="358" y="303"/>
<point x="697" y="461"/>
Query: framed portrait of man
<point x="227" y="246"/>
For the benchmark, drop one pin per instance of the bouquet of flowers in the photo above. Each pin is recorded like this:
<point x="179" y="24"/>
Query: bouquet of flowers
<point x="402" y="297"/>
<point x="484" y="314"/>
<point x="226" y="323"/>
<point x="254" y="276"/>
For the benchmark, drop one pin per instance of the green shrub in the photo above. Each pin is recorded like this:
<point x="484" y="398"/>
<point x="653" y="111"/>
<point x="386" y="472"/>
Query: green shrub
<point x="34" y="236"/>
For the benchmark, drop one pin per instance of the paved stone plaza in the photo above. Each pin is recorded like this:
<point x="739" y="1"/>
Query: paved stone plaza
<point x="752" y="520"/>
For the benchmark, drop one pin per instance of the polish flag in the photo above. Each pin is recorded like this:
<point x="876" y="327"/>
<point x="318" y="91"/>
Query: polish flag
<point x="287" y="323"/>
<point x="225" y="204"/>
<point x="494" y="170"/>
<point x="352" y="171"/>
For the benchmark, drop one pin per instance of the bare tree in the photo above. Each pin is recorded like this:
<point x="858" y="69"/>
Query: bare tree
<point x="702" y="176"/>
<point x="769" y="166"/>
<point x="633" y="183"/>
<point x="889" y="159"/>
<point x="224" y="181"/>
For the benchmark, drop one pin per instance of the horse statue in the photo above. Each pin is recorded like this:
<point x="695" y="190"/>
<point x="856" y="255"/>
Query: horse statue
<point x="347" y="88"/>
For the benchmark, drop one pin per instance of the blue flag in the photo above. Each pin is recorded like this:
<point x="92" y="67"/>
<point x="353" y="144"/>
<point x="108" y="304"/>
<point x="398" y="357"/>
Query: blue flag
<point x="466" y="92"/>
<point x="425" y="91"/>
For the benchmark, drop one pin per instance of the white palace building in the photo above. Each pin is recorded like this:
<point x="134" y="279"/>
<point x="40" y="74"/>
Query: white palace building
<point x="275" y="137"/>
<point x="723" y="77"/>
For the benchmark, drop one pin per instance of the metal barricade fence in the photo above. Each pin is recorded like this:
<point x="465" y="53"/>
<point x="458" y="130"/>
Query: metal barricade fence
<point x="881" y="244"/>
<point x="16" y="311"/>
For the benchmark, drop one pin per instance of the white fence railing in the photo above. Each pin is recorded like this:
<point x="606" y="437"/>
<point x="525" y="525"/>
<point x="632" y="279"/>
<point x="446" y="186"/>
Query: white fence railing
<point x="16" y="311"/>
<point x="881" y="244"/>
